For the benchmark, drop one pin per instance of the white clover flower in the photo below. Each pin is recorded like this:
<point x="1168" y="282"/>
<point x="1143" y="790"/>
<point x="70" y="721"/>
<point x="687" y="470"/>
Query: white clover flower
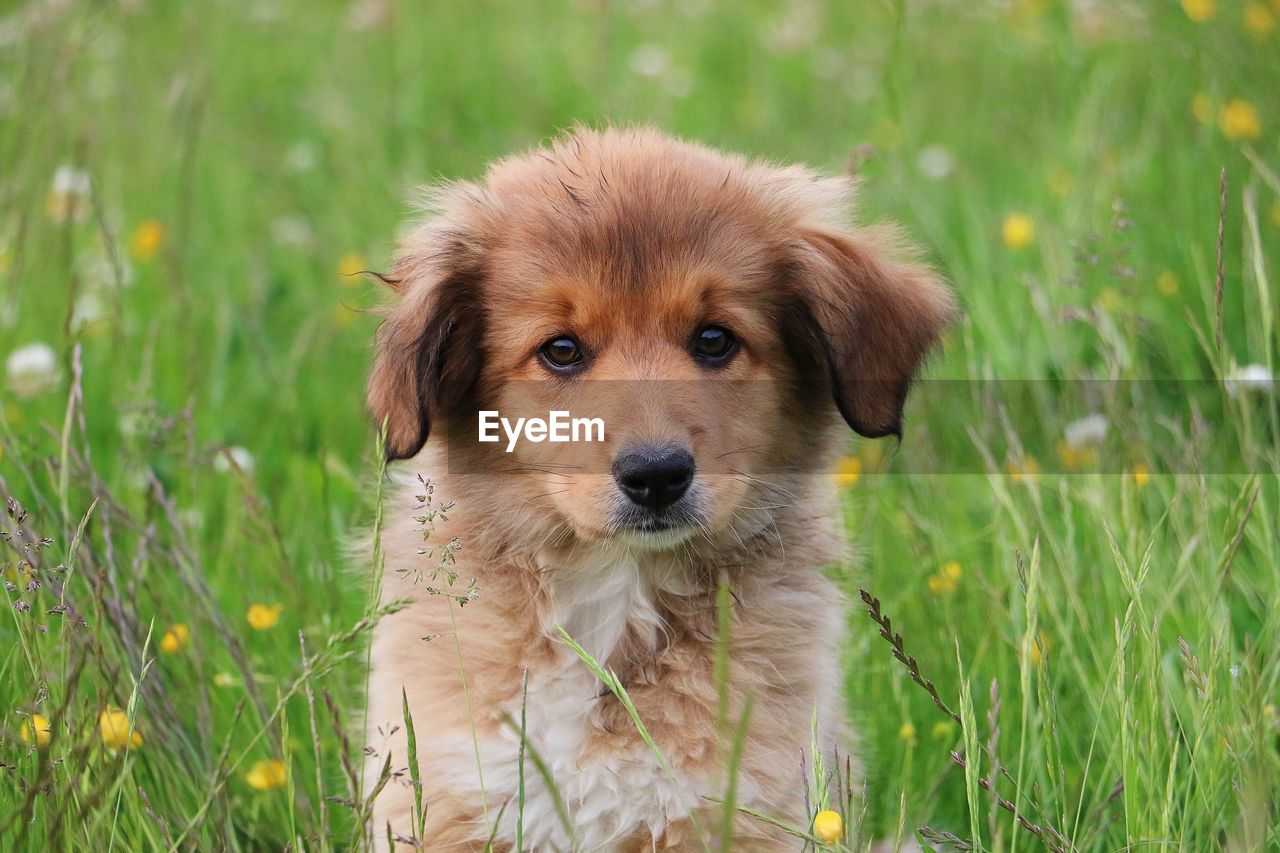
<point x="88" y="310"/>
<point x="233" y="458"/>
<point x="68" y="198"/>
<point x="650" y="60"/>
<point x="70" y="180"/>
<point x="935" y="161"/>
<point x="32" y="369"/>
<point x="1250" y="379"/>
<point x="1091" y="429"/>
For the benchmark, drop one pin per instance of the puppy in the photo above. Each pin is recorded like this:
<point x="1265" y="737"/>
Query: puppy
<point x="726" y="326"/>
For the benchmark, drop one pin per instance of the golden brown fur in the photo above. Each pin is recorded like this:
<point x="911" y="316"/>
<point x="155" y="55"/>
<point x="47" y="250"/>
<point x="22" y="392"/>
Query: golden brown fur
<point x="630" y="241"/>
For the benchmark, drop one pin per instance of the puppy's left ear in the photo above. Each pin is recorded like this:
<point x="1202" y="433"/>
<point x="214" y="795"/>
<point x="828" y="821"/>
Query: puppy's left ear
<point x="872" y="319"/>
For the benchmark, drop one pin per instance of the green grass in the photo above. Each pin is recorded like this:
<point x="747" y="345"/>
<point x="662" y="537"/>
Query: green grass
<point x="1121" y="637"/>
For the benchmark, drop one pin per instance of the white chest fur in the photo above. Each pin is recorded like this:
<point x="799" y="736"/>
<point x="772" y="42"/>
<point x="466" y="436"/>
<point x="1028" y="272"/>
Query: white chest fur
<point x="607" y="796"/>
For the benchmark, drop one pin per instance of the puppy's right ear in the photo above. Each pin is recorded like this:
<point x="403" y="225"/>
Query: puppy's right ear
<point x="429" y="345"/>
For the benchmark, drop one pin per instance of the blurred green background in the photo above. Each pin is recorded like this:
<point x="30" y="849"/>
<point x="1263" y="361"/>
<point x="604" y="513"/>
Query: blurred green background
<point x="187" y="189"/>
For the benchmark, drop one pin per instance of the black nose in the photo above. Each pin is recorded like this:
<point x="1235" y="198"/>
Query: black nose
<point x="654" y="477"/>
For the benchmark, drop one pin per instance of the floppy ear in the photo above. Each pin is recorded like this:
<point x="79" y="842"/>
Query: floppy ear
<point x="429" y="345"/>
<point x="872" y="319"/>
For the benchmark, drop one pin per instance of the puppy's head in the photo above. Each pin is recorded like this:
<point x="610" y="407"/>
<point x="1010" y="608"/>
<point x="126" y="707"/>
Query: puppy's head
<point x="713" y="312"/>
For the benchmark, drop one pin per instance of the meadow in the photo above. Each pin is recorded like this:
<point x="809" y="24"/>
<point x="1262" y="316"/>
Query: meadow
<point x="1092" y="586"/>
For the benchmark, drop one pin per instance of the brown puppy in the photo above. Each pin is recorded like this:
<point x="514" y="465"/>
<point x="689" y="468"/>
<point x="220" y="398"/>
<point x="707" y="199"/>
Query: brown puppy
<point x="720" y="319"/>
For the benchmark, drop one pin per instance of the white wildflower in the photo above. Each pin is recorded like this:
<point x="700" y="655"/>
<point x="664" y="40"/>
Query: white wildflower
<point x="68" y="198"/>
<point x="89" y="310"/>
<point x="1091" y="429"/>
<point x="32" y="369"/>
<point x="1250" y="379"/>
<point x="650" y="60"/>
<point x="935" y="161"/>
<point x="230" y="458"/>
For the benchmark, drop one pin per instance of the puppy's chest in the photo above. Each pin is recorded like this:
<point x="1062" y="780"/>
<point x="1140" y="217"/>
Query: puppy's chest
<point x="610" y="782"/>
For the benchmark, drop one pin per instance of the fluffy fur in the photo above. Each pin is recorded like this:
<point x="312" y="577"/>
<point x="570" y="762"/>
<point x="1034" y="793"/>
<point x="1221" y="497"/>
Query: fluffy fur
<point x="630" y="241"/>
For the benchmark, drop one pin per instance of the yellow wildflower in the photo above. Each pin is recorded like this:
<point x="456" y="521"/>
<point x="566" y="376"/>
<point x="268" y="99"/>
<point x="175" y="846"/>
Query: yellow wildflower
<point x="265" y="775"/>
<point x="1200" y="10"/>
<point x="147" y="240"/>
<point x="350" y="266"/>
<point x="952" y="570"/>
<point x="174" y="639"/>
<point x="224" y="679"/>
<point x="943" y="729"/>
<point x="1076" y="458"/>
<point x="114" y="724"/>
<point x="1269" y="711"/>
<point x="1202" y="108"/>
<point x="1141" y="475"/>
<point x="1167" y="283"/>
<point x="848" y="470"/>
<point x="1018" y="231"/>
<point x="1025" y="468"/>
<point x="1258" y="19"/>
<point x="940" y="584"/>
<point x="828" y="826"/>
<point x="908" y="733"/>
<point x="38" y="725"/>
<point x="264" y="616"/>
<point x="1239" y="120"/>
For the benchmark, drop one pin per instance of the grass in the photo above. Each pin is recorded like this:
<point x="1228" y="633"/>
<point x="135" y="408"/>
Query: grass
<point x="1109" y="631"/>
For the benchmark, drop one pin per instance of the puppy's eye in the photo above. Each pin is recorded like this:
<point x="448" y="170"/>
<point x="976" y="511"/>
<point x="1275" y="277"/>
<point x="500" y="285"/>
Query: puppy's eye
<point x="561" y="353"/>
<point x="714" y="344"/>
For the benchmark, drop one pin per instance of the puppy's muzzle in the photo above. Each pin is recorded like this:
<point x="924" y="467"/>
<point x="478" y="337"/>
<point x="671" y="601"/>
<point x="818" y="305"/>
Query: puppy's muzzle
<point x="654" y="477"/>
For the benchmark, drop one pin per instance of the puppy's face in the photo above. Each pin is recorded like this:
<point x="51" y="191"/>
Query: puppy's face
<point x="704" y="308"/>
<point x="684" y="363"/>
